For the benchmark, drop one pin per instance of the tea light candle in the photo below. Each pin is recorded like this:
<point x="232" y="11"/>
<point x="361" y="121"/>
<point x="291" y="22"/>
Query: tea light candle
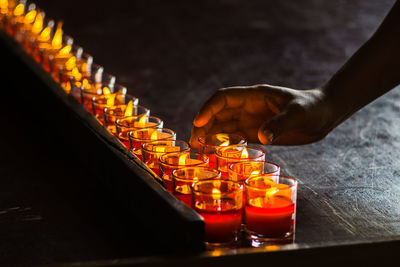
<point x="139" y="137"/>
<point x="128" y="124"/>
<point x="112" y="114"/>
<point x="240" y="171"/>
<point x="172" y="161"/>
<point x="219" y="202"/>
<point x="107" y="100"/>
<point x="226" y="156"/>
<point x="211" y="143"/>
<point x="270" y="209"/>
<point x="152" y="151"/>
<point x="183" y="179"/>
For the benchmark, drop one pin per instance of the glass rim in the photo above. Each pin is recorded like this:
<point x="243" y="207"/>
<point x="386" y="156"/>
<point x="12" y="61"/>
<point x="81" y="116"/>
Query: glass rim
<point x="238" y="186"/>
<point x="249" y="161"/>
<point x="119" y="106"/>
<point x="103" y="84"/>
<point x="186" y="165"/>
<point x="134" y="98"/>
<point x="209" y="169"/>
<point x="117" y="122"/>
<point x="246" y="182"/>
<point x="155" y="141"/>
<point x="240" y="159"/>
<point x="202" y="138"/>
<point x="161" y="130"/>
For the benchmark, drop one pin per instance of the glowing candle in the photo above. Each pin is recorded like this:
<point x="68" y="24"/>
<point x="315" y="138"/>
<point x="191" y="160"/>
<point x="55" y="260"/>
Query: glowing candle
<point x="219" y="202"/>
<point x="141" y="136"/>
<point x="240" y="171"/>
<point x="108" y="100"/>
<point x="112" y="114"/>
<point x="152" y="151"/>
<point x="211" y="143"/>
<point x="270" y="209"/>
<point x="172" y="161"/>
<point x="182" y="180"/>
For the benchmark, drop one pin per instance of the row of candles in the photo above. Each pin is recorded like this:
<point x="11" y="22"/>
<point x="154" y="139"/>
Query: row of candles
<point x="227" y="182"/>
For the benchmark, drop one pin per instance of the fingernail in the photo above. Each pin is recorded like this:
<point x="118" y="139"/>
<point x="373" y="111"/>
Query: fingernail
<point x="270" y="136"/>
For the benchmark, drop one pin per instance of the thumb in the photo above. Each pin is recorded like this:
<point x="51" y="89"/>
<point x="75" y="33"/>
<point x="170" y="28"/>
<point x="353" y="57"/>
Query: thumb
<point x="280" y="124"/>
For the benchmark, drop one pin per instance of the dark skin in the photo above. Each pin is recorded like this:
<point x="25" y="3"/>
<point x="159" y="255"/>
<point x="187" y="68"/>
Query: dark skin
<point x="275" y="115"/>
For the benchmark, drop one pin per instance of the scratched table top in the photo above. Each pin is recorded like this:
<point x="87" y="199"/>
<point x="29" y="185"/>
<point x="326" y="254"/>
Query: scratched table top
<point x="173" y="55"/>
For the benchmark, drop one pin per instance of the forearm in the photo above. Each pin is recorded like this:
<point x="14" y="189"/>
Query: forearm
<point x="372" y="71"/>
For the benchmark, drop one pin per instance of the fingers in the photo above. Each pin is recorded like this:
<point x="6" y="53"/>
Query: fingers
<point x="209" y="109"/>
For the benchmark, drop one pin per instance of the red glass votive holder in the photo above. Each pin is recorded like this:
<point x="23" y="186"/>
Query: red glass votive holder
<point x="139" y="137"/>
<point x="226" y="156"/>
<point x="219" y="202"/>
<point x="183" y="179"/>
<point x="177" y="160"/>
<point x="100" y="102"/>
<point x="152" y="151"/>
<point x="128" y="124"/>
<point x="112" y="114"/>
<point x="209" y="144"/>
<point x="270" y="210"/>
<point x="240" y="171"/>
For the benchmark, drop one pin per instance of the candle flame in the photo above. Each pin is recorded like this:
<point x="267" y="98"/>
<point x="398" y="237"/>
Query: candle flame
<point x="106" y="91"/>
<point x="4" y="6"/>
<point x="45" y="34"/>
<point x="76" y="74"/>
<point x="226" y="143"/>
<point x="65" y="50"/>
<point x="111" y="99"/>
<point x="67" y="87"/>
<point x="224" y="138"/>
<point x="71" y="63"/>
<point x="216" y="194"/>
<point x="142" y="121"/>
<point x="182" y="159"/>
<point x="19" y="10"/>
<point x="38" y="24"/>
<point x="129" y="109"/>
<point x="254" y="173"/>
<point x="86" y="84"/>
<point x="57" y="39"/>
<point x="160" y="149"/>
<point x="30" y="17"/>
<point x="154" y="136"/>
<point x="245" y="154"/>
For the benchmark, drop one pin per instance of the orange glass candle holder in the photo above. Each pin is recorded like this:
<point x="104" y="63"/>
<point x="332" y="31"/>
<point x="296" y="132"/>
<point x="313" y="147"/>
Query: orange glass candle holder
<point x="118" y="100"/>
<point x="128" y="124"/>
<point x="270" y="209"/>
<point x="183" y="179"/>
<point x="85" y="91"/>
<point x="226" y="156"/>
<point x="219" y="202"/>
<point x="240" y="171"/>
<point x="112" y="114"/>
<point x="177" y="160"/>
<point x="152" y="151"/>
<point x="209" y="144"/>
<point x="139" y="137"/>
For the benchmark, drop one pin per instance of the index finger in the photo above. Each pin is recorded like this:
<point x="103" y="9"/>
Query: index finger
<point x="212" y="106"/>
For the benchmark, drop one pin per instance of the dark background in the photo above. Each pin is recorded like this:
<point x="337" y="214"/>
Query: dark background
<point x="173" y="55"/>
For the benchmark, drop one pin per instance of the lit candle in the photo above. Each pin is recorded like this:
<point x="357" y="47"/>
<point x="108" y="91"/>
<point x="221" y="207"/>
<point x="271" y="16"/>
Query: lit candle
<point x="226" y="156"/>
<point x="172" y="161"/>
<point x="183" y="179"/>
<point x="219" y="202"/>
<point x="152" y="151"/>
<point x="128" y="124"/>
<point x="270" y="209"/>
<point x="211" y="143"/>
<point x="240" y="171"/>
<point x="108" y="100"/>
<point x="141" y="136"/>
<point x="112" y="114"/>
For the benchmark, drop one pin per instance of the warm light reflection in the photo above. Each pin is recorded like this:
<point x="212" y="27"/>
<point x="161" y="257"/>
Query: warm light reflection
<point x="4" y="6"/>
<point x="38" y="24"/>
<point x="45" y="34"/>
<point x="129" y="109"/>
<point x="30" y="17"/>
<point x="71" y="63"/>
<point x="86" y="84"/>
<point x="182" y="159"/>
<point x="76" y="74"/>
<point x="57" y="39"/>
<point x="223" y="138"/>
<point x="19" y="10"/>
<point x="245" y="154"/>
<point x="106" y="91"/>
<point x="254" y="173"/>
<point x="65" y="50"/>
<point x="111" y="99"/>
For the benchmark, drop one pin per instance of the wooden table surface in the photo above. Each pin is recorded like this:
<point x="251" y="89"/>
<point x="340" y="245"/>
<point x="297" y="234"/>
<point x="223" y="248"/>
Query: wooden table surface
<point x="173" y="55"/>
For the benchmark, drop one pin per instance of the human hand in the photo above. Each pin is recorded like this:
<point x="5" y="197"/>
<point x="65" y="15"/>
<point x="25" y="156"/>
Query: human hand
<point x="266" y="114"/>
